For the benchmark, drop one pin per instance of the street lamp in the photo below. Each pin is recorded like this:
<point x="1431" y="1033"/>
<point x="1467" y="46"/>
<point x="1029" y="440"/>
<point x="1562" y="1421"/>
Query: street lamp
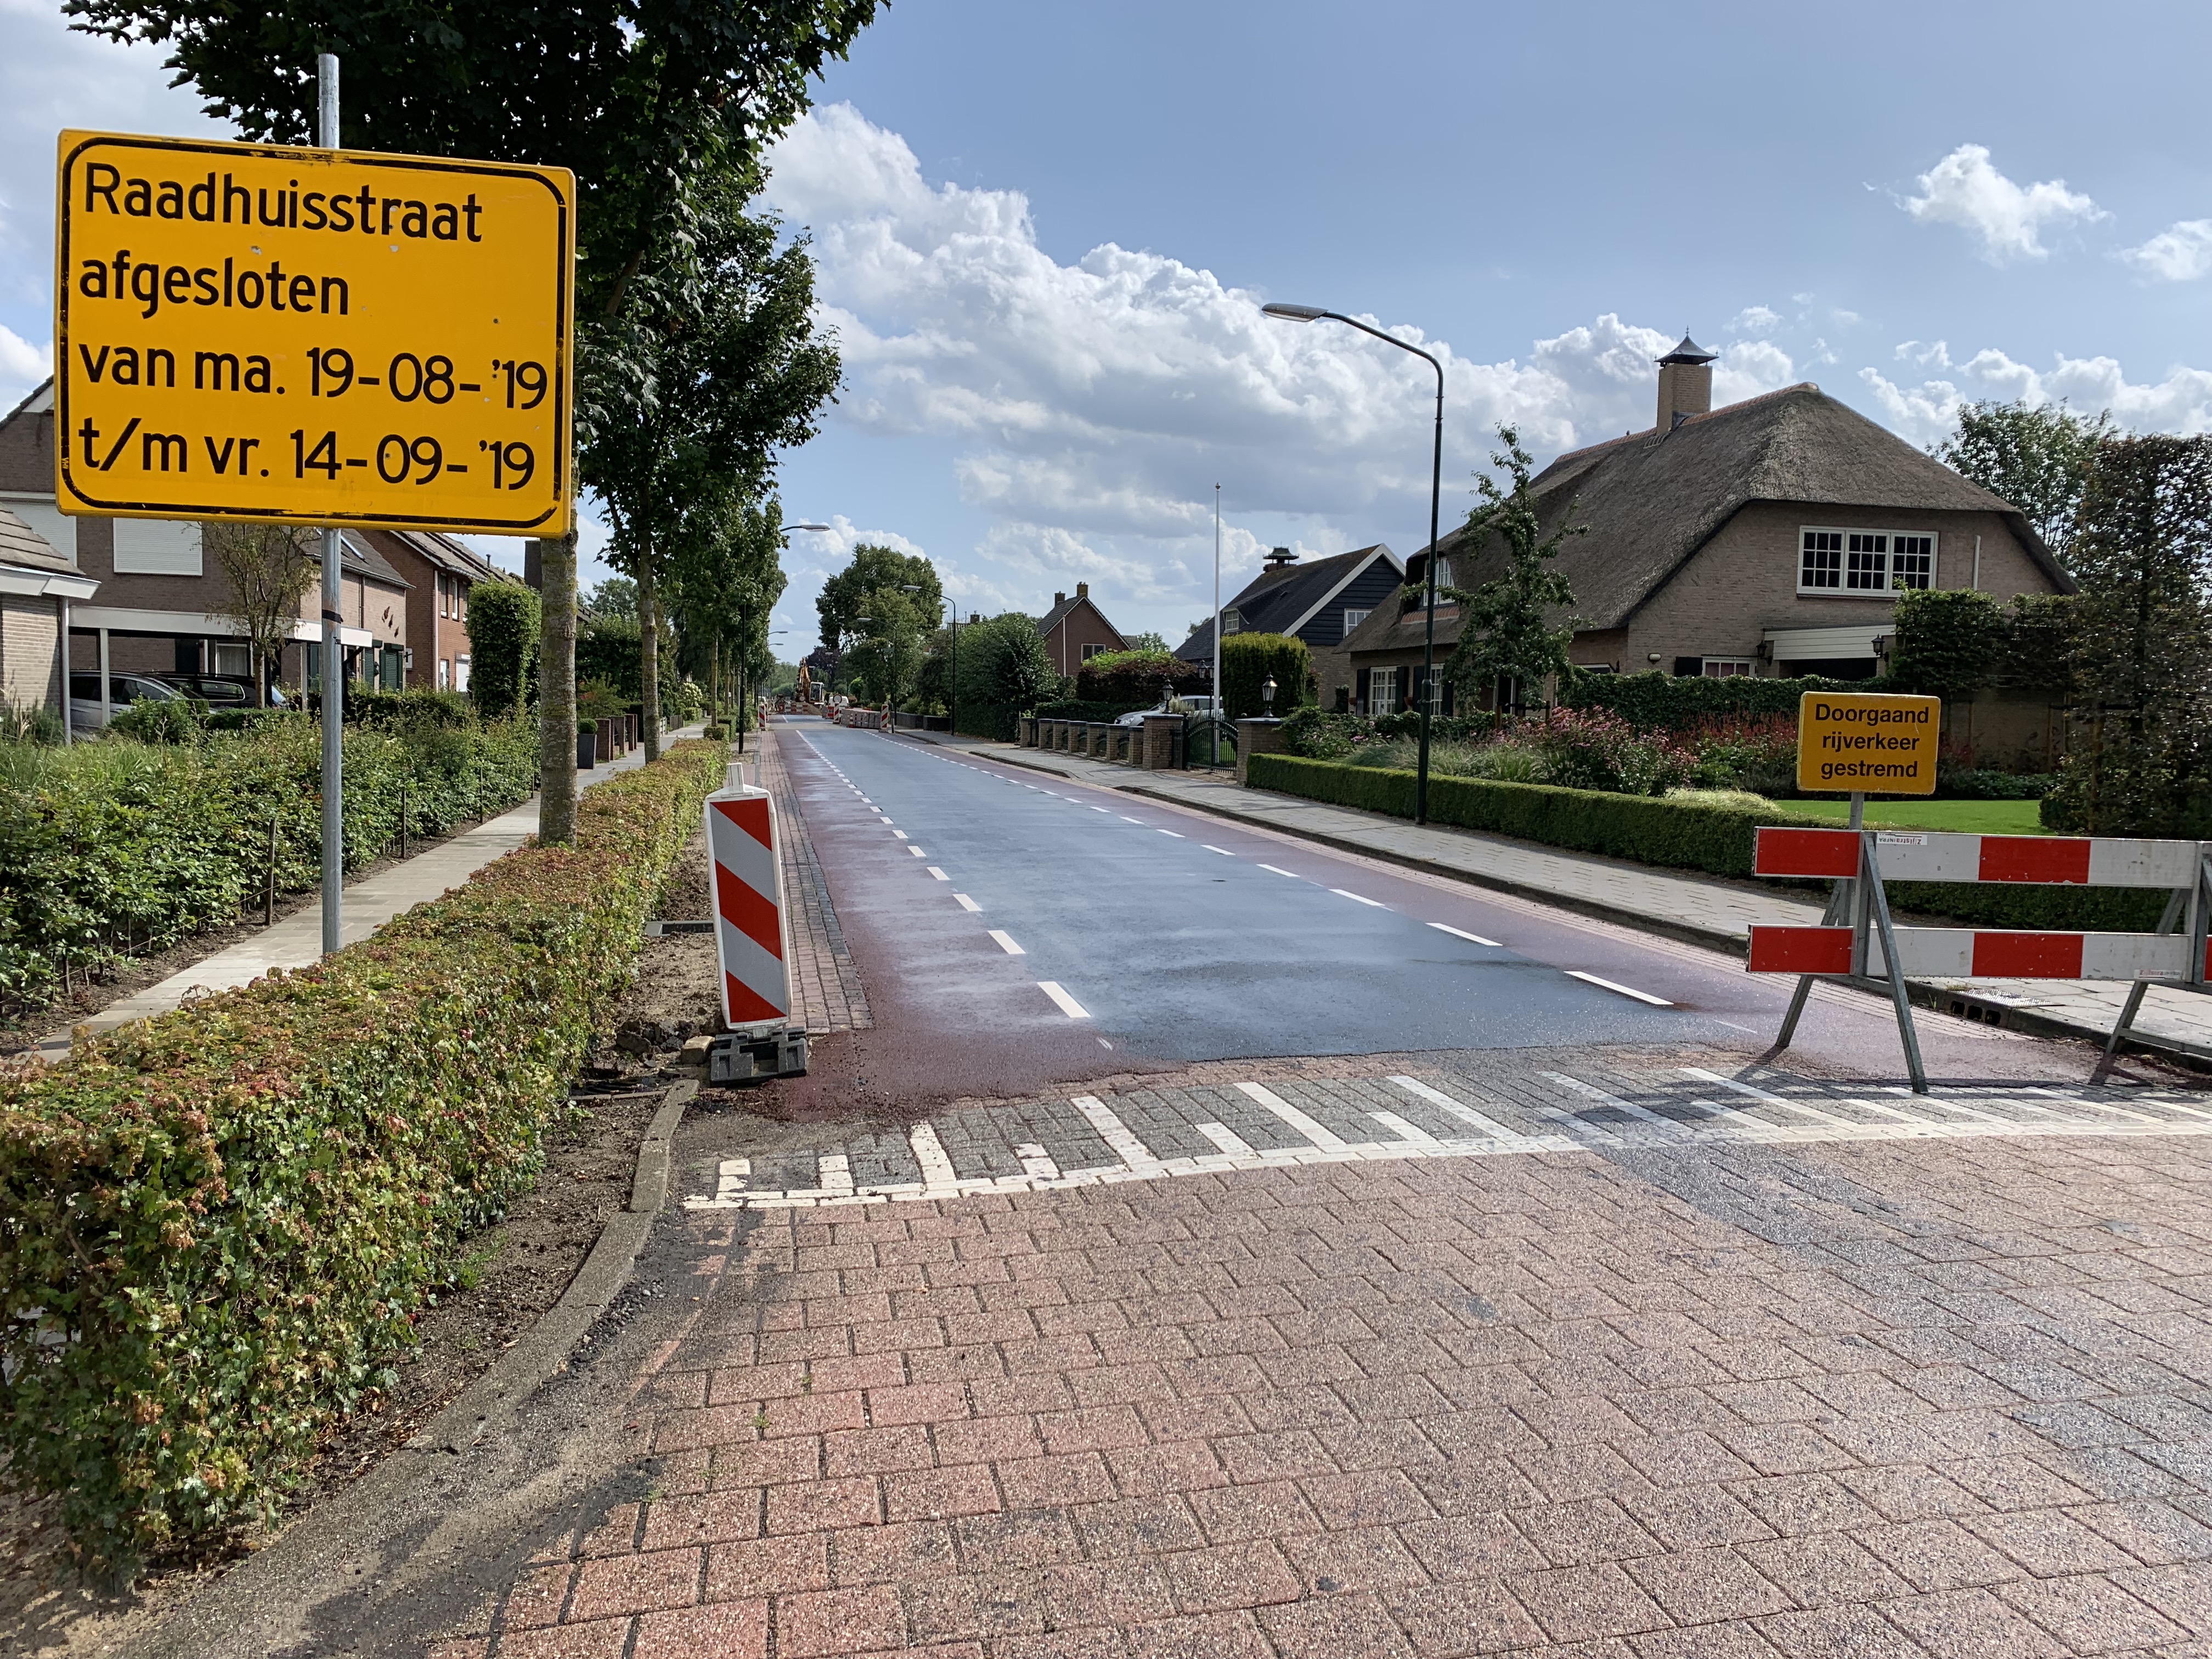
<point x="1291" y="313"/>
<point x="952" y="671"/>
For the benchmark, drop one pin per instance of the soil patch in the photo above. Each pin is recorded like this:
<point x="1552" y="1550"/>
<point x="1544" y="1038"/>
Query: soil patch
<point x="508" y="1275"/>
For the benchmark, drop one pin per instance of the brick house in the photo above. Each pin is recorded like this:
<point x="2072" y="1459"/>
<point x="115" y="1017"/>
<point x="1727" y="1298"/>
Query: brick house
<point x="37" y="588"/>
<point x="439" y="571"/>
<point x="160" y="603"/>
<point x="1323" y="603"/>
<point x="1769" y="536"/>
<point x="1075" y="630"/>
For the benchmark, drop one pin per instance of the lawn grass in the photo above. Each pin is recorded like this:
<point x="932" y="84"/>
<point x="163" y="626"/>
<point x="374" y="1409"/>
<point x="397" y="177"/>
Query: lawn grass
<point x="1986" y="817"/>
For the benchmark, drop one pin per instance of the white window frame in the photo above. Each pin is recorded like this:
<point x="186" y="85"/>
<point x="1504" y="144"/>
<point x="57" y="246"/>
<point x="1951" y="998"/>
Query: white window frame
<point x="1353" y="618"/>
<point x="1727" y="668"/>
<point x="1865" y="560"/>
<point x="1381" y="692"/>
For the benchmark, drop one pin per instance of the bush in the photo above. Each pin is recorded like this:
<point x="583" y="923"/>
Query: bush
<point x="29" y="722"/>
<point x="156" y="720"/>
<point x="1947" y="641"/>
<point x="1249" y="660"/>
<point x="108" y="850"/>
<point x="422" y="706"/>
<point x="1004" y="672"/>
<point x="1134" y="679"/>
<point x="215" y="1227"/>
<point x="1654" y="700"/>
<point x="503" y="621"/>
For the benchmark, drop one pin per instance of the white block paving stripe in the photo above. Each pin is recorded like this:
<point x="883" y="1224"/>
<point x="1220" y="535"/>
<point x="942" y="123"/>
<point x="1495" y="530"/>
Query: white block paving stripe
<point x="1321" y="1136"/>
<point x="1133" y="1154"/>
<point x="936" y="874"/>
<point x="1005" y="942"/>
<point x="1625" y="990"/>
<point x="967" y="904"/>
<point x="1472" y="938"/>
<point x="1445" y="1102"/>
<point x="1067" y="1004"/>
<point x="916" y="851"/>
<point x="1135" y="1161"/>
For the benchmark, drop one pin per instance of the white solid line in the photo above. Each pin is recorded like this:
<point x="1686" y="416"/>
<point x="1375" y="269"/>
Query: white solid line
<point x="1411" y="1134"/>
<point x="1472" y="938"/>
<point x="967" y="904"/>
<point x="1067" y="1004"/>
<point x="1005" y="941"/>
<point x="937" y="875"/>
<point x="1340" y="893"/>
<point x="1292" y="874"/>
<point x="1436" y="1097"/>
<point x="929" y="1153"/>
<point x="1115" y="1133"/>
<point x="1317" y="1134"/>
<point x="1211" y="848"/>
<point x="1625" y="990"/>
<point x="1177" y="834"/>
<point x="916" y="851"/>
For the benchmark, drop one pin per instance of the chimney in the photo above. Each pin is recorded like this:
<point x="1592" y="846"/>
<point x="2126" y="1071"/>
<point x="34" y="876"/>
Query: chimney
<point x="1060" y="599"/>
<point x="1685" y="384"/>
<point x="1281" y="558"/>
<point x="1083" y="590"/>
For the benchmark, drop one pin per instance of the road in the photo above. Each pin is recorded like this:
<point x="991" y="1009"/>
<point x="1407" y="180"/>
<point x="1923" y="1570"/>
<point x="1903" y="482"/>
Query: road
<point x="1018" y="930"/>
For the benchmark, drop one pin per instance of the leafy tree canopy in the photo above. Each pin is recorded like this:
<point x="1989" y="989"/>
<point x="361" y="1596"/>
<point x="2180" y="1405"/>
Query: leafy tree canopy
<point x="2037" y="456"/>
<point x="875" y="571"/>
<point x="1507" y="622"/>
<point x="615" y="598"/>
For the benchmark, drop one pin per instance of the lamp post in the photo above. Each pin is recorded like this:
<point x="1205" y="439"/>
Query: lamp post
<point x="1291" y="313"/>
<point x="1267" y="698"/>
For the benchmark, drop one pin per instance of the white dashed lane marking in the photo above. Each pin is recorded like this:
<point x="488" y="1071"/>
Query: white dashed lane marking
<point x="967" y="904"/>
<point x="1623" y="990"/>
<point x="1066" y="1004"/>
<point x="1004" y="940"/>
<point x="1459" y="932"/>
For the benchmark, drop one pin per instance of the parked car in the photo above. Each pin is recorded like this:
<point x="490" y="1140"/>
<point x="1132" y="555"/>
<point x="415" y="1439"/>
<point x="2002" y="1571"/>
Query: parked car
<point x="1202" y="707"/>
<point x="123" y="691"/>
<point x="221" y="690"/>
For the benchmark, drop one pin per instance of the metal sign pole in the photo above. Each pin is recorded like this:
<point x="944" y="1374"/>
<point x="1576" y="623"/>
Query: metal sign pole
<point x="326" y="135"/>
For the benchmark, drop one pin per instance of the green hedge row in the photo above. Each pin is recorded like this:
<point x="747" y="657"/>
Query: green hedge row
<point x="1676" y="834"/>
<point x="1083" y="708"/>
<point x="1673" y="701"/>
<point x="215" y="1227"/>
<point x="115" y="850"/>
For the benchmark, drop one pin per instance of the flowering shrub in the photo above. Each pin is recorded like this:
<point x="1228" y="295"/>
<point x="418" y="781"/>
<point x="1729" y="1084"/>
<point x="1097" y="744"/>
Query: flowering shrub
<point x="1590" y="750"/>
<point x="217" y="1226"/>
<point x="1756" y="752"/>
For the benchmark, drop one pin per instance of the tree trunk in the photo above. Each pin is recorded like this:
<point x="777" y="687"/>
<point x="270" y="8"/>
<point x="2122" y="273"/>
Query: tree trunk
<point x="648" y="616"/>
<point x="715" y="676"/>
<point x="556" y="693"/>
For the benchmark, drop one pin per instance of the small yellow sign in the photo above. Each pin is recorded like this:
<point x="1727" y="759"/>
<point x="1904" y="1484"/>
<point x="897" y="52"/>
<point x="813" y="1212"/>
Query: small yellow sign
<point x="319" y="336"/>
<point x="1859" y="740"/>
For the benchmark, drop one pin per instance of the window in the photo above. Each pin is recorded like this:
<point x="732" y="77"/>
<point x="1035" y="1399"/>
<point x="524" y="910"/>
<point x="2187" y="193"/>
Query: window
<point x="1230" y="621"/>
<point x="1090" y="651"/>
<point x="1866" y="562"/>
<point x="444" y="675"/>
<point x="1353" y="618"/>
<point x="1726" y="668"/>
<point x="1382" y="691"/>
<point x="233" y="660"/>
<point x="156" y="547"/>
<point x="460" y="673"/>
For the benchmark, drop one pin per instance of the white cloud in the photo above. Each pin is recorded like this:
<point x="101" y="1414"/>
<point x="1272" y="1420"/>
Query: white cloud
<point x="2180" y="253"/>
<point x="1964" y="189"/>
<point x="1095" y="404"/>
<point x="23" y="366"/>
<point x="2181" y="403"/>
<point x="1755" y="320"/>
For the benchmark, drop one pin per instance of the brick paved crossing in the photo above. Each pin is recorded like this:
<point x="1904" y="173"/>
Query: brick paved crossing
<point x="1944" y="1395"/>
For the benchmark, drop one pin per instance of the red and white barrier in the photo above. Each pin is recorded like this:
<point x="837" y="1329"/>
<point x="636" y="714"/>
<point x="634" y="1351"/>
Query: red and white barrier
<point x="1976" y="953"/>
<point x="1931" y="855"/>
<point x="741" y="843"/>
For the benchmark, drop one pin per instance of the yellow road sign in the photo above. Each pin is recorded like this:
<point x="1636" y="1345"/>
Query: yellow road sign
<point x="320" y="337"/>
<point x="1855" y="740"/>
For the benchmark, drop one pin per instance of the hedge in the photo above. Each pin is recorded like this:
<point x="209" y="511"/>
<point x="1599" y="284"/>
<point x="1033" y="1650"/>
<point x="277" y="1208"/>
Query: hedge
<point x="217" y="1227"/>
<point x="1674" y="701"/>
<point x="110" y="850"/>
<point x="1680" y="834"/>
<point x="1248" y="661"/>
<point x="1089" y="708"/>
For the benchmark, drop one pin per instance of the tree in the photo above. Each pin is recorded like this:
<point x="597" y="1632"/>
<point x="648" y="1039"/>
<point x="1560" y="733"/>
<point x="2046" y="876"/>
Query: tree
<point x="270" y="572"/>
<point x="2036" y="456"/>
<point x="614" y="599"/>
<point x="847" y="597"/>
<point x="1148" y="642"/>
<point x="1004" y="672"/>
<point x="1947" y="641"/>
<point x="2139" y="759"/>
<point x="1506" y="628"/>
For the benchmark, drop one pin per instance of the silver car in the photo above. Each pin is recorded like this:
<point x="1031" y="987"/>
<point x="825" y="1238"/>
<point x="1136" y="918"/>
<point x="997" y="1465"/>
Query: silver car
<point x="123" y="691"/>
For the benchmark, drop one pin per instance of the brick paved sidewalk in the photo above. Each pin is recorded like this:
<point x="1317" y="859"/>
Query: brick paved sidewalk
<point x="826" y="991"/>
<point x="1733" y="1401"/>
<point x="1693" y="907"/>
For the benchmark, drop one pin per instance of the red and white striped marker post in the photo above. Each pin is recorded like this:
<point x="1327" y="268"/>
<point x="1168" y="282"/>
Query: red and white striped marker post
<point x="748" y="878"/>
<point x="1864" y="860"/>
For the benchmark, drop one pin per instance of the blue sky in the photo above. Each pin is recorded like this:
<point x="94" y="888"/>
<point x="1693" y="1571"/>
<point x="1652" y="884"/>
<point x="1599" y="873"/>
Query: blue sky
<point x="1044" y="231"/>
